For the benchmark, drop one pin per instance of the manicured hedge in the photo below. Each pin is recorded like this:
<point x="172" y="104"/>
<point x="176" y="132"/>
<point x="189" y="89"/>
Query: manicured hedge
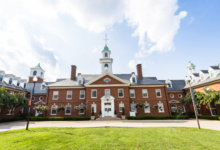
<point x="12" y="119"/>
<point x="57" y="118"/>
<point x="208" y="117"/>
<point x="157" y="117"/>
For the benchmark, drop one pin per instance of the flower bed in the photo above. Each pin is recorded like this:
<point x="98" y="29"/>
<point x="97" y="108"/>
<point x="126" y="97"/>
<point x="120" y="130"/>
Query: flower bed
<point x="12" y="119"/>
<point x="57" y="118"/>
<point x="157" y="117"/>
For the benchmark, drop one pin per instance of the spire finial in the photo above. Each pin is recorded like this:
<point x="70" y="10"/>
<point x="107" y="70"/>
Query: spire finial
<point x="106" y="39"/>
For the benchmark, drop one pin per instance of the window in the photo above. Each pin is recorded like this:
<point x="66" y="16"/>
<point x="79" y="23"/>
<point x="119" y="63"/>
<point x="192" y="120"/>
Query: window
<point x="169" y="85"/>
<point x="69" y="95"/>
<point x="120" y="93"/>
<point x="80" y="81"/>
<point x="35" y="73"/>
<point x="10" y="111"/>
<point x="212" y="74"/>
<point x="206" y="88"/>
<point x="94" y="106"/>
<point x="147" y="108"/>
<point x="198" y="110"/>
<point x="11" y="92"/>
<point x="94" y="93"/>
<point x="180" y="95"/>
<point x="42" y="86"/>
<point x="160" y="107"/>
<point x="21" y="111"/>
<point x="55" y="95"/>
<point x="82" y="94"/>
<point x="106" y="65"/>
<point x="158" y="93"/>
<point x="10" y="81"/>
<point x="121" y="106"/>
<point x="106" y="54"/>
<point x="194" y="81"/>
<point x="133" y="108"/>
<point x="1" y="78"/>
<point x="132" y="94"/>
<point x="41" y="98"/>
<point x="42" y="74"/>
<point x="144" y="93"/>
<point x="171" y="95"/>
<point x="107" y="93"/>
<point x="183" y="109"/>
<point x="107" y="80"/>
<point x="68" y="110"/>
<point x="18" y="83"/>
<point x="53" y="110"/>
<point x="213" y="109"/>
<point x="173" y="108"/>
<point x="202" y="77"/>
<point x="24" y="85"/>
<point x="133" y="79"/>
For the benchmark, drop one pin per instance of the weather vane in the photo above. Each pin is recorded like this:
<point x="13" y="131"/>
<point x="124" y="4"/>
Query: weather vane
<point x="105" y="39"/>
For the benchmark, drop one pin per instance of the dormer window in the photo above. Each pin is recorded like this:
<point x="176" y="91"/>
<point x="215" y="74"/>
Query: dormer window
<point x="194" y="80"/>
<point x="1" y="78"/>
<point x="202" y="77"/>
<point x="42" y="74"/>
<point x="10" y="81"/>
<point x="35" y="73"/>
<point x="18" y="83"/>
<point x="133" y="79"/>
<point x="106" y="54"/>
<point x="212" y="74"/>
<point x="43" y="87"/>
<point x="24" y="85"/>
<point x="80" y="81"/>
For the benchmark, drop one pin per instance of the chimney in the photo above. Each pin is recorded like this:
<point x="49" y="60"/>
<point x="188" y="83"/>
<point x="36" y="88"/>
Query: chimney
<point x="139" y="71"/>
<point x="73" y="72"/>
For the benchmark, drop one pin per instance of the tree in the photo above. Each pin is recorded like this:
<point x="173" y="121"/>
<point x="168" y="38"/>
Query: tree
<point x="187" y="100"/>
<point x="40" y="108"/>
<point x="211" y="97"/>
<point x="139" y="105"/>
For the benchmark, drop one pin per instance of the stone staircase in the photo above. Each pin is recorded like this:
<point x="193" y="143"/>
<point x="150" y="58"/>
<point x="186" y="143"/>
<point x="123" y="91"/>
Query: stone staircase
<point x="108" y="118"/>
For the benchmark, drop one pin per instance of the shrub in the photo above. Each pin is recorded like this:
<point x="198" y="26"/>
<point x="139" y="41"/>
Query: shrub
<point x="40" y="115"/>
<point x="25" y="114"/>
<point x="92" y="111"/>
<point x="100" y="112"/>
<point x="207" y="117"/>
<point x="57" y="118"/>
<point x="156" y="117"/>
<point x="115" y="112"/>
<point x="12" y="119"/>
<point x="123" y="111"/>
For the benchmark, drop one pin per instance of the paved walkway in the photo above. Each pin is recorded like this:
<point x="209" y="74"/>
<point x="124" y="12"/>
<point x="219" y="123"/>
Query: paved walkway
<point x="207" y="124"/>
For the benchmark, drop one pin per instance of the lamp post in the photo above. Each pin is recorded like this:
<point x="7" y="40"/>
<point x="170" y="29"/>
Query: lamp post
<point x="193" y="100"/>
<point x="35" y="80"/>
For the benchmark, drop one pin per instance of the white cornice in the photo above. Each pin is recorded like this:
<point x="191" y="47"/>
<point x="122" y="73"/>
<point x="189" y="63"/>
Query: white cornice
<point x="147" y="85"/>
<point x="106" y="85"/>
<point x="66" y="87"/>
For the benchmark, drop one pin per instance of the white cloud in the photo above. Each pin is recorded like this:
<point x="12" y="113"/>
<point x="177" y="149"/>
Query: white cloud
<point x="191" y="20"/>
<point x="132" y="65"/>
<point x="98" y="48"/>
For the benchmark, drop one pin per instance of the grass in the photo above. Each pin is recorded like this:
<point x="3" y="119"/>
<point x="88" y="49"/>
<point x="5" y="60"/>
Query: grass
<point x="110" y="138"/>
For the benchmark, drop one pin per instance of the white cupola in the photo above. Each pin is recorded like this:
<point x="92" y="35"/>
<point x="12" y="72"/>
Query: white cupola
<point x="37" y="71"/>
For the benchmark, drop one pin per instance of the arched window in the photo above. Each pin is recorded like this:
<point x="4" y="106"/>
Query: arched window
<point x="10" y="81"/>
<point x="106" y="54"/>
<point x="42" y="74"/>
<point x="35" y="73"/>
<point x="173" y="108"/>
<point x="106" y="67"/>
<point x="1" y="78"/>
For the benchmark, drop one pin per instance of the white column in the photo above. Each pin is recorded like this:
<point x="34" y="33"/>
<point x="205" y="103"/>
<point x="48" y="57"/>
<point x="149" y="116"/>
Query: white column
<point x="103" y="109"/>
<point x="113" y="107"/>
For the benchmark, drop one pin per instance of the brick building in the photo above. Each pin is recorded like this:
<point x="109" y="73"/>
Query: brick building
<point x="106" y="92"/>
<point x="13" y="85"/>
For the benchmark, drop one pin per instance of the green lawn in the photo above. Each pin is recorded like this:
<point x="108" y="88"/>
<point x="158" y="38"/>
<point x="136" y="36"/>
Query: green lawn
<point x="110" y="138"/>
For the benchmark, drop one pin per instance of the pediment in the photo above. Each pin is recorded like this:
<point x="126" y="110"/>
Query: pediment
<point x="174" y="101"/>
<point x="39" y="103"/>
<point x="107" y="79"/>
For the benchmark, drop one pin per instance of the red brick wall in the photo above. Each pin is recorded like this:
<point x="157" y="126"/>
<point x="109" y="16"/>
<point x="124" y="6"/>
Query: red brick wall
<point x="39" y="80"/>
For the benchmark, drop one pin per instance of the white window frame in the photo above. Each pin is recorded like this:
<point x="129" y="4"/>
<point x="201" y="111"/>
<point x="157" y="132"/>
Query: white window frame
<point x="80" y="79"/>
<point x="212" y="72"/>
<point x="198" y="108"/>
<point x="171" y="95"/>
<point x="40" y="97"/>
<point x="1" y="78"/>
<point x="9" y="110"/>
<point x="160" y="93"/>
<point x="134" y="108"/>
<point x="92" y="91"/>
<point x="52" y="110"/>
<point x="18" y="83"/>
<point x="211" y="110"/>
<point x="122" y="93"/>
<point x="145" y="109"/>
<point x="162" y="107"/>
<point x="130" y="93"/>
<point x="66" y="110"/>
<point x="180" y="95"/>
<point x="143" y="93"/>
<point x="57" y="95"/>
<point x="93" y="105"/>
<point x="12" y="92"/>
<point x="84" y="94"/>
<point x="106" y="92"/>
<point x="67" y="95"/>
<point x="42" y="86"/>
<point x="206" y="88"/>
<point x="183" y="110"/>
<point x="202" y="77"/>
<point x="121" y="105"/>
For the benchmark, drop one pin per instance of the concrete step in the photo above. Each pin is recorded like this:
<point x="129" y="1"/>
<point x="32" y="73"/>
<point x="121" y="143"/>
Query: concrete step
<point x="108" y="118"/>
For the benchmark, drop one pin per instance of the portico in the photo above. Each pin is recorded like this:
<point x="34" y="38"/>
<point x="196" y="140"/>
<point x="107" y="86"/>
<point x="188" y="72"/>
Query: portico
<point x="108" y="106"/>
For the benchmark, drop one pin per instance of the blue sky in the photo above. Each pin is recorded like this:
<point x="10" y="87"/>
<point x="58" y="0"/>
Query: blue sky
<point x="162" y="35"/>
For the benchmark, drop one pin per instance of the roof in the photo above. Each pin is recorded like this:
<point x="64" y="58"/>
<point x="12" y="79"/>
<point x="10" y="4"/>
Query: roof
<point x="23" y="80"/>
<point x="204" y="71"/>
<point x="38" y="67"/>
<point x="190" y="64"/>
<point x="12" y="86"/>
<point x="8" y="75"/>
<point x="215" y="67"/>
<point x="15" y="78"/>
<point x="204" y="81"/>
<point x="90" y="77"/>
<point x="196" y="74"/>
<point x="106" y="48"/>
<point x="177" y="85"/>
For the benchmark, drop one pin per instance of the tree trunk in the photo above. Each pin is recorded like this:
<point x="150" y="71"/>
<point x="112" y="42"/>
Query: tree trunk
<point x="189" y="109"/>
